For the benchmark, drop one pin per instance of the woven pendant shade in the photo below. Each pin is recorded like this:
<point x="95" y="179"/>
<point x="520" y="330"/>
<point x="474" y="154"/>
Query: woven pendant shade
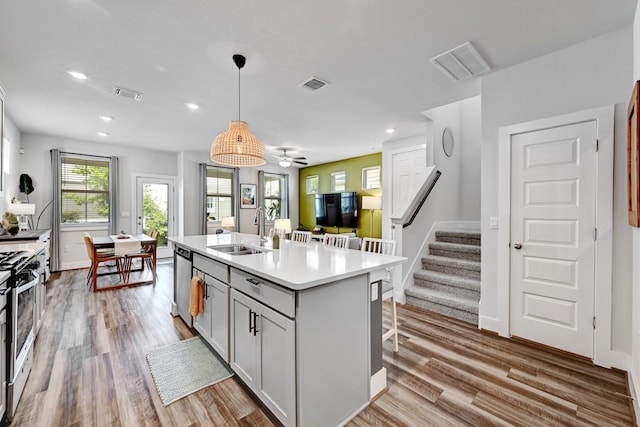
<point x="237" y="147"/>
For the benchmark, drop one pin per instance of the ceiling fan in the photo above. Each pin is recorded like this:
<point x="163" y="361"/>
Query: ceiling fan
<point x="286" y="161"/>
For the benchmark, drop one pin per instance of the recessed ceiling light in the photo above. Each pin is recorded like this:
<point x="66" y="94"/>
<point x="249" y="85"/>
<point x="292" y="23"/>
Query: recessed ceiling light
<point x="106" y="118"/>
<point x="103" y="134"/>
<point x="77" y="75"/>
<point x="192" y="106"/>
<point x="390" y="130"/>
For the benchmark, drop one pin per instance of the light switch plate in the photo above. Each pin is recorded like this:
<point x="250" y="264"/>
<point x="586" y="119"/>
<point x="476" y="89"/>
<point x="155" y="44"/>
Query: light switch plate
<point x="374" y="291"/>
<point x="493" y="222"/>
<point x="124" y="214"/>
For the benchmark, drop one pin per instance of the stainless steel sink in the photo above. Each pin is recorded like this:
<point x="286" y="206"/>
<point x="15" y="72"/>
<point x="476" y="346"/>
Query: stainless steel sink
<point x="236" y="249"/>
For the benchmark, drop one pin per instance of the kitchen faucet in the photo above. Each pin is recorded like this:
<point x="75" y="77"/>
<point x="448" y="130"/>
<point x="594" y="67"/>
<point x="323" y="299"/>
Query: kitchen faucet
<point x="259" y="218"/>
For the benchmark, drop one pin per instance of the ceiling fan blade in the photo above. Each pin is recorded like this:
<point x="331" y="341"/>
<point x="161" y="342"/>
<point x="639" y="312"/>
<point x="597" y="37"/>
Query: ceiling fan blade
<point x="299" y="158"/>
<point x="300" y="163"/>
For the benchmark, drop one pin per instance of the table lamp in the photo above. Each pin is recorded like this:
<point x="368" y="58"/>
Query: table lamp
<point x="228" y="223"/>
<point x="282" y="226"/>
<point x="21" y="210"/>
<point x="371" y="203"/>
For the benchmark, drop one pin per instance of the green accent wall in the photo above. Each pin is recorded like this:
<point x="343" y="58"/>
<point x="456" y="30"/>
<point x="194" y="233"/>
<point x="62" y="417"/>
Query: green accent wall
<point x="353" y="169"/>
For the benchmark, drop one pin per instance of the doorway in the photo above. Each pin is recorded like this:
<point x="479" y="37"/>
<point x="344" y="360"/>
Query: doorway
<point x="554" y="253"/>
<point x="155" y="210"/>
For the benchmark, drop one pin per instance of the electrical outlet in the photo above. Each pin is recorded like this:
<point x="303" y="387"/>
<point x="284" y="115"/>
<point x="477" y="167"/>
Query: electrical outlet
<point x="66" y="249"/>
<point x="493" y="222"/>
<point x="374" y="291"/>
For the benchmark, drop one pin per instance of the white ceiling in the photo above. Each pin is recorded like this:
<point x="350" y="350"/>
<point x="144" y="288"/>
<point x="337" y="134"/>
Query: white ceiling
<point x="374" y="53"/>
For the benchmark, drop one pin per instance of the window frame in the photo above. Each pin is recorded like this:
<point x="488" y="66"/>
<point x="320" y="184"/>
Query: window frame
<point x="284" y="194"/>
<point x="231" y="196"/>
<point x="334" y="179"/>
<point x="84" y="224"/>
<point x="365" y="177"/>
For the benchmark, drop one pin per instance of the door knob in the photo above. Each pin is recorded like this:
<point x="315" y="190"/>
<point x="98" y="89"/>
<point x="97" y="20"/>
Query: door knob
<point x="517" y="245"/>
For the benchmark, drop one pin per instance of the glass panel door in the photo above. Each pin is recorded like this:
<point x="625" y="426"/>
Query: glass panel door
<point x="154" y="200"/>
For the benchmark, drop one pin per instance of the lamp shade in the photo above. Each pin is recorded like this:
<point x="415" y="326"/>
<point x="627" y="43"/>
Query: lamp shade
<point x="22" y="208"/>
<point x="237" y="147"/>
<point x="283" y="225"/>
<point x="228" y="221"/>
<point x="371" y="202"/>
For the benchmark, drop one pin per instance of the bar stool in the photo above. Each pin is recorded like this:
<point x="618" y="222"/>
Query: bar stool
<point x="385" y="247"/>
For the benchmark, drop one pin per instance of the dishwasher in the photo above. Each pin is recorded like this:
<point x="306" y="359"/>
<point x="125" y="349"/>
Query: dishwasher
<point x="182" y="273"/>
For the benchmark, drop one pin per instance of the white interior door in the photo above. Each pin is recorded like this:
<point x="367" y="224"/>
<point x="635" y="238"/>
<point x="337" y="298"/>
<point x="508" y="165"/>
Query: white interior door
<point x="155" y="210"/>
<point x="409" y="170"/>
<point x="553" y="207"/>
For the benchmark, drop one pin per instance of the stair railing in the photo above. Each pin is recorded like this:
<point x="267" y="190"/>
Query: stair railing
<point x="401" y="220"/>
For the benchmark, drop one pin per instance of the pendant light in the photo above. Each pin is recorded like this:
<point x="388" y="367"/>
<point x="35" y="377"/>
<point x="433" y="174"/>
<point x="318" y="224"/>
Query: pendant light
<point x="237" y="147"/>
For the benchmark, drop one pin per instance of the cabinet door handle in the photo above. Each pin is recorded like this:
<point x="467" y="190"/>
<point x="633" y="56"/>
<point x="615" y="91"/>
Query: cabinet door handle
<point x="255" y="323"/>
<point x="251" y="327"/>
<point x="253" y="281"/>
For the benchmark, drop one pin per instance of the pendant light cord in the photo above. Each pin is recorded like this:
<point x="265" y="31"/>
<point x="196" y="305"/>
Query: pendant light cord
<point x="238" y="93"/>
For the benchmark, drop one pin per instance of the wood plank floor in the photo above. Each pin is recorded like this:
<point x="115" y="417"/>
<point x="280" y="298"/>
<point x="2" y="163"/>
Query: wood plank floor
<point x="90" y="370"/>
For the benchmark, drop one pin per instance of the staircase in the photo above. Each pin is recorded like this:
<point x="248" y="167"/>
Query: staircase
<point x="449" y="282"/>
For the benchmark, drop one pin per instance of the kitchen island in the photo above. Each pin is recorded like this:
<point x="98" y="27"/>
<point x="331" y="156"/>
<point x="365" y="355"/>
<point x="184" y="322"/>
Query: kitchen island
<point x="300" y="325"/>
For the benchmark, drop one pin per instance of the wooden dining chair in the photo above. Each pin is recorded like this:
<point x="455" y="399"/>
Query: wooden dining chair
<point x="146" y="255"/>
<point x="336" y="240"/>
<point x="385" y="247"/>
<point x="300" y="236"/>
<point x="99" y="256"/>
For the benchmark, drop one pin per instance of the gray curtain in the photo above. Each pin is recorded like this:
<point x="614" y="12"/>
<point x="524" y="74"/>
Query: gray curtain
<point x="114" y="206"/>
<point x="55" y="214"/>
<point x="236" y="198"/>
<point x="202" y="199"/>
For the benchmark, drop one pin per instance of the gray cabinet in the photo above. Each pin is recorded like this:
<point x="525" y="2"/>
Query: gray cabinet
<point x="213" y="322"/>
<point x="263" y="354"/>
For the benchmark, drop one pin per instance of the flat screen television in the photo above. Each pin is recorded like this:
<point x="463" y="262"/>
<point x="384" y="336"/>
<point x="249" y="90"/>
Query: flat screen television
<point x="337" y="209"/>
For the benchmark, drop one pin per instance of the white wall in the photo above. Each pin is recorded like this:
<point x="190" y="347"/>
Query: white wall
<point x="36" y="162"/>
<point x="459" y="195"/>
<point x="634" y="367"/>
<point x="591" y="74"/>
<point x="11" y="166"/>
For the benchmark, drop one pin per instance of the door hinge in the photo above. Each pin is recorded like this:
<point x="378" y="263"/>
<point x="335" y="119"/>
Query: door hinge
<point x="597" y="145"/>
<point x="595" y="233"/>
<point x="594" y="322"/>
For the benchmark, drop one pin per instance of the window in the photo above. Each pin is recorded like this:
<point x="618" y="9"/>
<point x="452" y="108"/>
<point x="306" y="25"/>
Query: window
<point x="312" y="184"/>
<point x="338" y="181"/>
<point x="84" y="190"/>
<point x="275" y="196"/>
<point x="371" y="178"/>
<point x="220" y="195"/>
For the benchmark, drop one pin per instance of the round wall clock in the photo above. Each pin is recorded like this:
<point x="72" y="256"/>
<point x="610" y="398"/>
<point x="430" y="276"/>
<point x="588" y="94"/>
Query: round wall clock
<point x="447" y="142"/>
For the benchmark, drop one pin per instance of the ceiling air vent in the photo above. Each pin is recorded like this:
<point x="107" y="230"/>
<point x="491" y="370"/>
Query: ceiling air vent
<point x="461" y="62"/>
<point x="127" y="93"/>
<point x="313" y="84"/>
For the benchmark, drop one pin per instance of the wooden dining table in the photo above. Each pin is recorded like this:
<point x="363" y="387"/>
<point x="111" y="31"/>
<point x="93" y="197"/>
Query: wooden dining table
<point x="109" y="242"/>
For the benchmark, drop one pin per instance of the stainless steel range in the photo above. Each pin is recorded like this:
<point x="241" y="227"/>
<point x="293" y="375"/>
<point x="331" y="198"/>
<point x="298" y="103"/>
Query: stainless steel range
<point x="22" y="283"/>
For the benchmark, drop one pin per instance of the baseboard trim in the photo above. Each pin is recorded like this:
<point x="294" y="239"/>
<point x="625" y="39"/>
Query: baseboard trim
<point x="634" y="387"/>
<point x="377" y="383"/>
<point x="489" y="324"/>
<point x="620" y="360"/>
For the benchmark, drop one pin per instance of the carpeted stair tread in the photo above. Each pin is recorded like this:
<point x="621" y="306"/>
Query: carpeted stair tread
<point x="462" y="236"/>
<point x="447" y="311"/>
<point x="462" y="267"/>
<point x="443" y="298"/>
<point x="455" y="250"/>
<point x="450" y="280"/>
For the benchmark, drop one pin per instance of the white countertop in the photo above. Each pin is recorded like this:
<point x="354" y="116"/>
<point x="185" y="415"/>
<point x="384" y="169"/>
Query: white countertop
<point x="296" y="266"/>
<point x="25" y="245"/>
